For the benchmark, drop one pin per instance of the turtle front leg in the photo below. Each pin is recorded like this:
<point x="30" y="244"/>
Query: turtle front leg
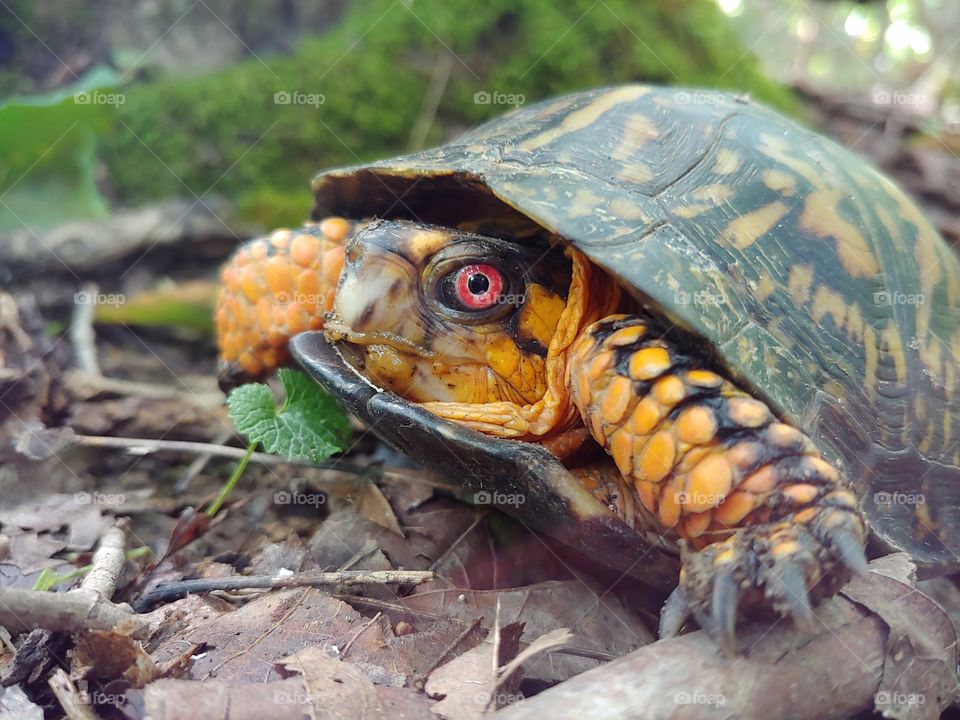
<point x="770" y="522"/>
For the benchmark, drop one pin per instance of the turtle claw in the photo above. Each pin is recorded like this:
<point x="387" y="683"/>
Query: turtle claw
<point x="789" y="588"/>
<point x="779" y="569"/>
<point x="726" y="595"/>
<point x="850" y="550"/>
<point x="675" y="612"/>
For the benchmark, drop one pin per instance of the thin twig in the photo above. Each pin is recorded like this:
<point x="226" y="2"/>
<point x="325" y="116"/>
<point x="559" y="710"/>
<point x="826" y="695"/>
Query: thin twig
<point x="107" y="564"/>
<point x="145" y="446"/>
<point x="73" y="704"/>
<point x="81" y="330"/>
<point x="22" y="610"/>
<point x="175" y="590"/>
<point x="86" y="608"/>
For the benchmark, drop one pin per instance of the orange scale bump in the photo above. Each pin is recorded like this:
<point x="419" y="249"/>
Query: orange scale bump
<point x="669" y="391"/>
<point x="696" y="425"/>
<point x="656" y="457"/>
<point x="625" y="336"/>
<point x="305" y="250"/>
<point x="616" y="400"/>
<point x="649" y="363"/>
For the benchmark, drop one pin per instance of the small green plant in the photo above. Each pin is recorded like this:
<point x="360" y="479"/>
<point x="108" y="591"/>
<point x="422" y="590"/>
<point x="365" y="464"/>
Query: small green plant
<point x="308" y="425"/>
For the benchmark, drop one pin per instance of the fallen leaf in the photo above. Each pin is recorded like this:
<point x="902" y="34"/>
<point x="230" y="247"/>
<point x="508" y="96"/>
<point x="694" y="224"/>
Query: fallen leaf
<point x="333" y="686"/>
<point x="468" y="686"/>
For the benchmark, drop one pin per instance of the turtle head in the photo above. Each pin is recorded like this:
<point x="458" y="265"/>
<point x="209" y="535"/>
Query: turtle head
<point x="474" y="327"/>
<point x="439" y="314"/>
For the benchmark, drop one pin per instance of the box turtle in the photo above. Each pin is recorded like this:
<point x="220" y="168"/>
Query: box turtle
<point x="641" y="319"/>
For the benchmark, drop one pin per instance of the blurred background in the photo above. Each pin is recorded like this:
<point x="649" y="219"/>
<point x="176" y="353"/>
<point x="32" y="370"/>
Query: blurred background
<point x="131" y="127"/>
<point x="123" y="102"/>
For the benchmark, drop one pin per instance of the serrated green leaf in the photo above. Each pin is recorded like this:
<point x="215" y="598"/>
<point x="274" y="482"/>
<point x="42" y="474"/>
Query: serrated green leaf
<point x="308" y="425"/>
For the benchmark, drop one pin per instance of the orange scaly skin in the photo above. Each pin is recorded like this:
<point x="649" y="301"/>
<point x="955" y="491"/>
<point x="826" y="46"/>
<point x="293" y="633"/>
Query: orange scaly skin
<point x="275" y="287"/>
<point x="713" y="465"/>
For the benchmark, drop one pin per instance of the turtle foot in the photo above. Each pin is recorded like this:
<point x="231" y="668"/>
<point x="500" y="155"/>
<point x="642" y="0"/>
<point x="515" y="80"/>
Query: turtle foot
<point x="781" y="569"/>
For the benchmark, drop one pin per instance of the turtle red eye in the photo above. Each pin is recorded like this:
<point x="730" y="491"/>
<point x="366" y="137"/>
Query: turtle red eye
<point x="478" y="287"/>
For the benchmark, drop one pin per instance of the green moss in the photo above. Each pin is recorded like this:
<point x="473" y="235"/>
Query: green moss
<point x="224" y="132"/>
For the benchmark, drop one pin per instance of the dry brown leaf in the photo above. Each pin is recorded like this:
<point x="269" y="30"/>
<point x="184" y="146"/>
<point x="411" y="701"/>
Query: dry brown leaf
<point x="281" y="700"/>
<point x="32" y="552"/>
<point x="552" y="639"/>
<point x="468" y="685"/>
<point x="270" y="627"/>
<point x="599" y="624"/>
<point x="334" y="686"/>
<point x="112" y="655"/>
<point x="373" y="505"/>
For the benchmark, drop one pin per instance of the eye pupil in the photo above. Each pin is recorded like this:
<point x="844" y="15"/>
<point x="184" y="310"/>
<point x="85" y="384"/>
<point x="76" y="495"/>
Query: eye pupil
<point x="478" y="283"/>
<point x="476" y="287"/>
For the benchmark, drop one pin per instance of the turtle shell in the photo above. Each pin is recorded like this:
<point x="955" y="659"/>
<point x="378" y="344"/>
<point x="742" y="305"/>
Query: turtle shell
<point x="806" y="273"/>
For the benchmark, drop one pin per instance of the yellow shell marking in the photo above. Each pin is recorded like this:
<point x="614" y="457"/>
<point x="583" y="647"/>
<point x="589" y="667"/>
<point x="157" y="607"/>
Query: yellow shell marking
<point x="822" y="218"/>
<point x="586" y="116"/>
<point x="765" y="286"/>
<point x="728" y="161"/>
<point x="638" y="130"/>
<point x="847" y="318"/>
<point x="745" y="230"/>
<point x="778" y="149"/>
<point x="715" y="194"/>
<point x="799" y="282"/>
<point x="627" y="210"/>
<point x="781" y="182"/>
<point x="585" y="201"/>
